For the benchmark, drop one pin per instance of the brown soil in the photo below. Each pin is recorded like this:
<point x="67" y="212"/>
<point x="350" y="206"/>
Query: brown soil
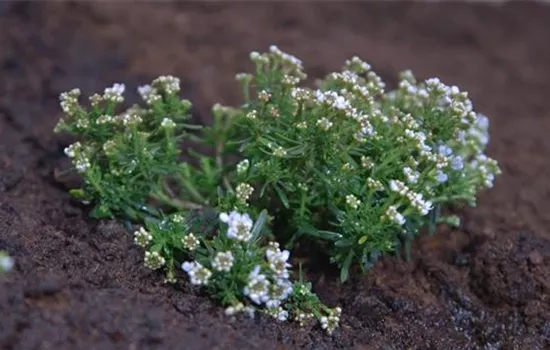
<point x="80" y="284"/>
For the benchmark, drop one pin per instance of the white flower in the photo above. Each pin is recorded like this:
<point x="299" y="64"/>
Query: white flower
<point x="279" y="152"/>
<point x="441" y="177"/>
<point x="114" y="93"/>
<point x="393" y="215"/>
<point x="142" y="237"/>
<point x="244" y="191"/>
<point x="412" y="176"/>
<point x="82" y="164"/>
<point x="148" y="94"/>
<point x="257" y="288"/>
<point x="168" y="123"/>
<point x="154" y="260"/>
<point x="278" y="261"/>
<point x="352" y="201"/>
<point x="223" y="261"/>
<point x="324" y="123"/>
<point x="73" y="150"/>
<point x="167" y="83"/>
<point x="457" y="163"/>
<point x="198" y="274"/>
<point x="239" y="225"/>
<point x="243" y="165"/>
<point x="282" y="315"/>
<point x="190" y="242"/>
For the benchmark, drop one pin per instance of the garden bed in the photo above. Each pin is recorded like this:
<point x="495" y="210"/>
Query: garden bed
<point x="81" y="284"/>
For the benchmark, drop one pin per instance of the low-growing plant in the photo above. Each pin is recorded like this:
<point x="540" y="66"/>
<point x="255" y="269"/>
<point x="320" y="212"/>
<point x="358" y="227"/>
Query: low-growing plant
<point x="355" y="171"/>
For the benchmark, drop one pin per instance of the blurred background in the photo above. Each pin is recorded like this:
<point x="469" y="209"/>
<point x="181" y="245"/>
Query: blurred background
<point x="78" y="285"/>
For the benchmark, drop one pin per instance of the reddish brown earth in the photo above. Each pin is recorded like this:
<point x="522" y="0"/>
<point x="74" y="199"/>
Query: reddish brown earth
<point x="80" y="284"/>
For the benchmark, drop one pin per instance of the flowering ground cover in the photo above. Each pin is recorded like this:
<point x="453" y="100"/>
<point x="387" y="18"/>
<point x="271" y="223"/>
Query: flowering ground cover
<point x="78" y="281"/>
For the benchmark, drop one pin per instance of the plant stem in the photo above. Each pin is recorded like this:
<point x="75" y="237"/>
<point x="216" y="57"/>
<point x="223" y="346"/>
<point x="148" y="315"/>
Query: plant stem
<point x="174" y="202"/>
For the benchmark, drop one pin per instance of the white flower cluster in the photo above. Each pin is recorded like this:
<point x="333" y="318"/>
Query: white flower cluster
<point x="130" y="118"/>
<point x="223" y="261"/>
<point x="239" y="307"/>
<point x="142" y="237"/>
<point x="190" y="242"/>
<point x="167" y="83"/>
<point x="69" y="101"/>
<point x="114" y="93"/>
<point x="242" y="167"/>
<point x="330" y="322"/>
<point x="416" y="199"/>
<point x="240" y="225"/>
<point x="168" y="123"/>
<point x="393" y="215"/>
<point x="352" y="201"/>
<point x="198" y="274"/>
<point x="288" y="58"/>
<point x="149" y="94"/>
<point x="324" y="123"/>
<point x="244" y="191"/>
<point x="154" y="260"/>
<point x="80" y="160"/>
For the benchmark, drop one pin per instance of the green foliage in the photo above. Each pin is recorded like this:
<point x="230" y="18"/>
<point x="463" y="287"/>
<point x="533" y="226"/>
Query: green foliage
<point x="355" y="170"/>
<point x="358" y="170"/>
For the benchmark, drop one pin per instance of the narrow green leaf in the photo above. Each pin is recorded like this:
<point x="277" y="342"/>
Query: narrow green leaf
<point x="282" y="195"/>
<point x="344" y="271"/>
<point x="259" y="224"/>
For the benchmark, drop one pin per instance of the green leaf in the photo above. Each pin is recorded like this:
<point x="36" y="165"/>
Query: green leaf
<point x="259" y="224"/>
<point x="282" y="195"/>
<point x="344" y="271"/>
<point x="77" y="193"/>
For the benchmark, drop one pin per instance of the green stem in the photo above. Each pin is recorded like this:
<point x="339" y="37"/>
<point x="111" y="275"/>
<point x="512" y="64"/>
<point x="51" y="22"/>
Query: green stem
<point x="174" y="202"/>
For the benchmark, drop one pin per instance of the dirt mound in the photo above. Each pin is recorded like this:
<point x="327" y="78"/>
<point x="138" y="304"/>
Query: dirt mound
<point x="81" y="284"/>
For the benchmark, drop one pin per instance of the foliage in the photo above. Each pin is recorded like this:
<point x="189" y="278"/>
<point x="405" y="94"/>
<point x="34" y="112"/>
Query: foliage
<point x="354" y="170"/>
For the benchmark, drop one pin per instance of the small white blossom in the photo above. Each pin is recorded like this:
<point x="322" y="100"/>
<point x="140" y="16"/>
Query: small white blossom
<point x="167" y="83"/>
<point x="198" y="274"/>
<point x="279" y="152"/>
<point x="190" y="242"/>
<point x="154" y="260"/>
<point x="244" y="191"/>
<point x="73" y="150"/>
<point x="301" y="125"/>
<point x="223" y="261"/>
<point x="105" y="119"/>
<point x="457" y="163"/>
<point x="168" y="123"/>
<point x="239" y="225"/>
<point x="242" y="167"/>
<point x="352" y="201"/>
<point x="278" y="261"/>
<point x="142" y="238"/>
<point x="149" y="94"/>
<point x="114" y="93"/>
<point x="412" y="176"/>
<point x="393" y="215"/>
<point x="257" y="288"/>
<point x="324" y="123"/>
<point x="330" y="322"/>
<point x="82" y="164"/>
<point x="440" y="176"/>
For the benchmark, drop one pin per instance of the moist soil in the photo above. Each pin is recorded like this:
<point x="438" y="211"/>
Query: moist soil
<point x="81" y="284"/>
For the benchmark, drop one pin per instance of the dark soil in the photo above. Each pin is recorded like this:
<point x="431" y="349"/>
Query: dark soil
<point x="81" y="284"/>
